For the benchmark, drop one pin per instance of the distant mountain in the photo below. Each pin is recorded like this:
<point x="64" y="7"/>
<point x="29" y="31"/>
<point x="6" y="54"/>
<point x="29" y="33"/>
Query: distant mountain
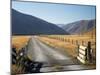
<point x="30" y="25"/>
<point x="80" y="27"/>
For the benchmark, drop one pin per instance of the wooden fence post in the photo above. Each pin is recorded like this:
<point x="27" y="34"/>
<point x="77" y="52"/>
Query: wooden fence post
<point x="78" y="50"/>
<point x="76" y="42"/>
<point x="89" y="54"/>
<point x="82" y="42"/>
<point x="72" y="41"/>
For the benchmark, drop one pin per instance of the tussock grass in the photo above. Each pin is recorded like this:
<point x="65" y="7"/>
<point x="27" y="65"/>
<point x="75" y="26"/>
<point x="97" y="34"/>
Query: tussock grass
<point x="19" y="41"/>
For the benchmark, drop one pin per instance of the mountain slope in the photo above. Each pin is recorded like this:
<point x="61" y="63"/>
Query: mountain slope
<point x="30" y="25"/>
<point x="80" y="27"/>
<point x="91" y="32"/>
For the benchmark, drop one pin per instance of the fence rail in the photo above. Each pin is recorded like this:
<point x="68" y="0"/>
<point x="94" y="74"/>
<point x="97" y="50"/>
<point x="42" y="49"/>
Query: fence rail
<point x="85" y="51"/>
<point x="72" y="40"/>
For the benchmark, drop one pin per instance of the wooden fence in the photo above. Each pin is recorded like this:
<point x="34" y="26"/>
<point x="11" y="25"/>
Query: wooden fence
<point x="69" y="40"/>
<point x="85" y="50"/>
<point x="85" y="54"/>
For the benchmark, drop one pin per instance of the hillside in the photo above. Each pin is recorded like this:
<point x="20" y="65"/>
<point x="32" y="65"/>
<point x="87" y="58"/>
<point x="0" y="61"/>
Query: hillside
<point x="80" y="27"/>
<point x="92" y="32"/>
<point x="30" y="25"/>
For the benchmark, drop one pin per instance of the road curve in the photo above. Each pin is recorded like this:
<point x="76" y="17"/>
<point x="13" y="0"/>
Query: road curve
<point x="38" y="51"/>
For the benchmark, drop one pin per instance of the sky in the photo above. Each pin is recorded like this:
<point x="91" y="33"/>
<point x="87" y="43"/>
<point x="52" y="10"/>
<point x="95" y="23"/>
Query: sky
<point x="56" y="13"/>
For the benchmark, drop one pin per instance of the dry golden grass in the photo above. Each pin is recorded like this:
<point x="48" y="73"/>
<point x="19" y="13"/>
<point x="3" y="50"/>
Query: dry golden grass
<point x="69" y="47"/>
<point x="19" y="41"/>
<point x="93" y="31"/>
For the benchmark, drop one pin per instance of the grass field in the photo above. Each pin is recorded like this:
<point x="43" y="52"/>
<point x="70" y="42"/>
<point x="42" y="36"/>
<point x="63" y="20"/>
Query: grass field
<point x="19" y="41"/>
<point x="69" y="43"/>
<point x="66" y="43"/>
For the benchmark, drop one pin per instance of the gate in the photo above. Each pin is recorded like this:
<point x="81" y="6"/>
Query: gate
<point x="85" y="54"/>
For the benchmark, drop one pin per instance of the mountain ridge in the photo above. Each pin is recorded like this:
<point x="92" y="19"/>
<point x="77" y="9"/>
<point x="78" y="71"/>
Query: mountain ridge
<point x="24" y="24"/>
<point x="79" y="27"/>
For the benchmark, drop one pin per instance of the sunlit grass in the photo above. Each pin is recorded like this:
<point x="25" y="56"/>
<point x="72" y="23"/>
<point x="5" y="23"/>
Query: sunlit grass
<point x="69" y="47"/>
<point x="19" y="41"/>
